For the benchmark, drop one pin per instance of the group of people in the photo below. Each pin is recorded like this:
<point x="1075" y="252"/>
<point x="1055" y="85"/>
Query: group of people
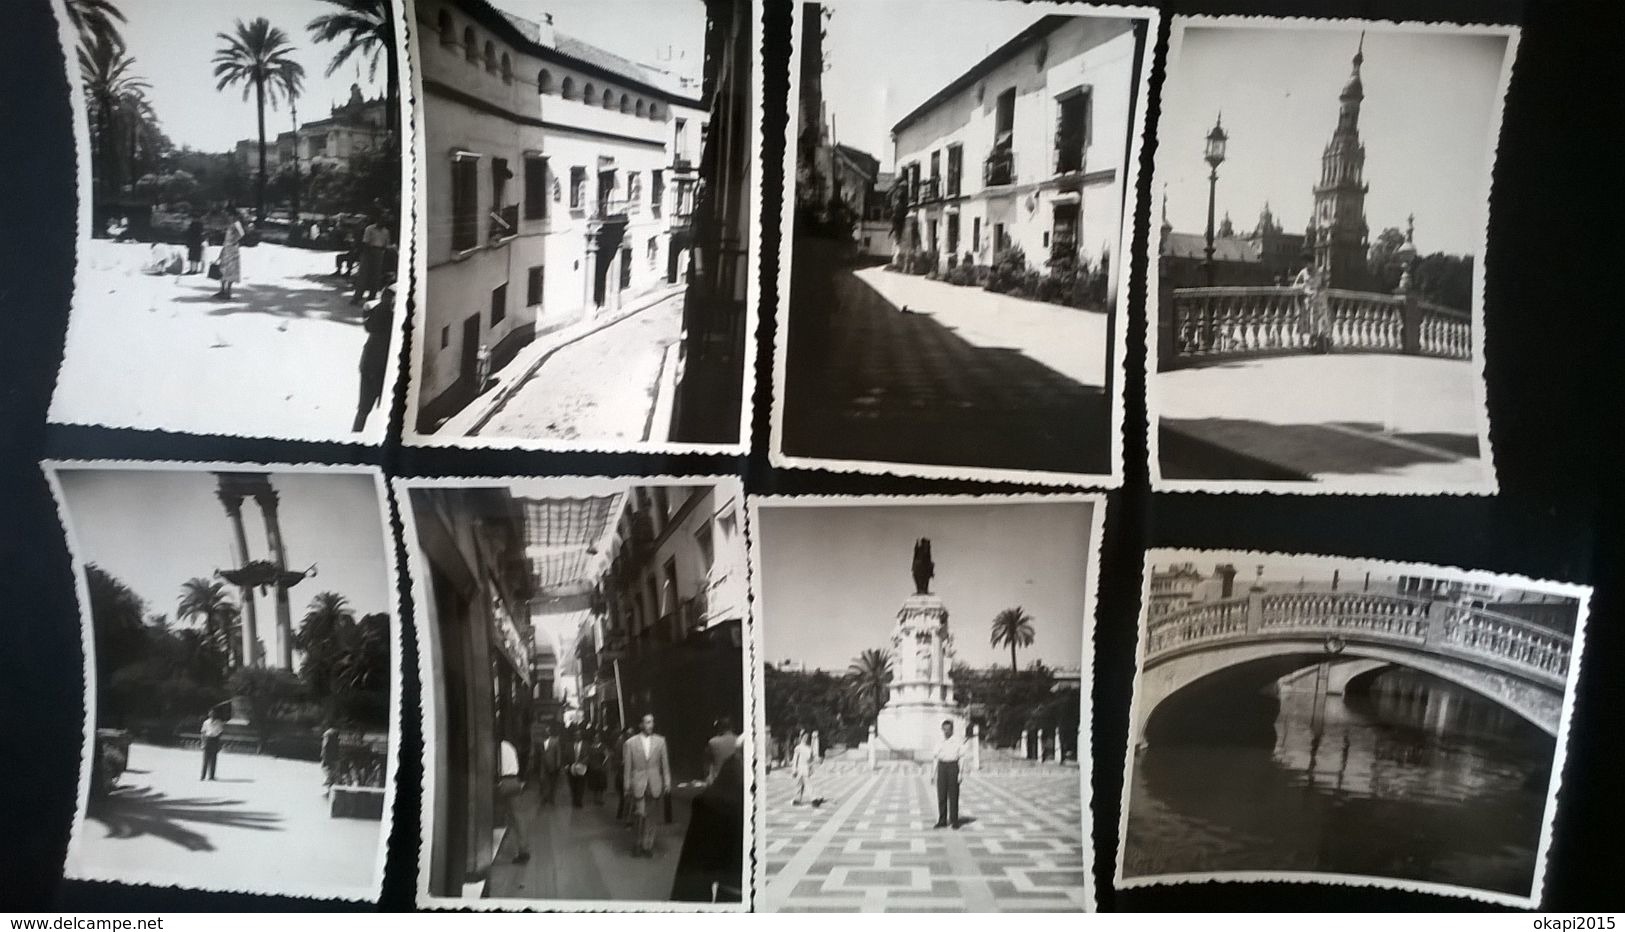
<point x="167" y="259"/>
<point x="637" y="762"/>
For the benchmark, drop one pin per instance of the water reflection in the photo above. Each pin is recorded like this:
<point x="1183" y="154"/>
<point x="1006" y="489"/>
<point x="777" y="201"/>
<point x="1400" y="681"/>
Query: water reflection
<point x="1405" y="776"/>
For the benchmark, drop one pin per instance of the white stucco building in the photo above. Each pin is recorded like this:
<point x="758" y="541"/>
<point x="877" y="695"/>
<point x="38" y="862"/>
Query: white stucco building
<point x="1025" y="149"/>
<point x="560" y="181"/>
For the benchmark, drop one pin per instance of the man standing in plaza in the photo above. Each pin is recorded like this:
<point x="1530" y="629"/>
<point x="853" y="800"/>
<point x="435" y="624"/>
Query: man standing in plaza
<point x="511" y="788"/>
<point x="947" y="776"/>
<point x="212" y="732"/>
<point x="648" y="778"/>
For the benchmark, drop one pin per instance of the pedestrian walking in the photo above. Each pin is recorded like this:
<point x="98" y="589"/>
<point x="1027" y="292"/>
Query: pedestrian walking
<point x="230" y="258"/>
<point x="598" y="764"/>
<point x="801" y="767"/>
<point x="947" y="775"/>
<point x="375" y="245"/>
<point x="378" y="320"/>
<point x="648" y="779"/>
<point x="194" y="246"/>
<point x="547" y="765"/>
<point x="212" y="730"/>
<point x="575" y="767"/>
<point x="623" y="810"/>
<point x="510" y="787"/>
<point x="722" y="746"/>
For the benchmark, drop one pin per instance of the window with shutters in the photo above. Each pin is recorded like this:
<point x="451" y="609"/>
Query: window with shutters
<point x="657" y="188"/>
<point x="578" y="187"/>
<point x="1071" y="130"/>
<point x="499" y="303"/>
<point x="465" y="201"/>
<point x="956" y="168"/>
<point x="533" y="286"/>
<point x="976" y="234"/>
<point x="535" y="187"/>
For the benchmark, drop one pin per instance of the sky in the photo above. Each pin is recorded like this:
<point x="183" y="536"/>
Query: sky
<point x="1287" y="573"/>
<point x="153" y="530"/>
<point x="865" y="99"/>
<point x="173" y="43"/>
<point x="667" y="34"/>
<point x="833" y="577"/>
<point x="1425" y="122"/>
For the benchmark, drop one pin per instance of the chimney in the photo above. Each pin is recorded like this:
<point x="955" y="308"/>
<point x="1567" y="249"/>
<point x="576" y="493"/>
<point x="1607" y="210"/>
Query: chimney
<point x="544" y="32"/>
<point x="1227" y="580"/>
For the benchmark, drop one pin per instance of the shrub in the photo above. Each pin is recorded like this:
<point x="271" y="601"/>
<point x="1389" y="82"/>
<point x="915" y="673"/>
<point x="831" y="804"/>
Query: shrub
<point x="1009" y="268"/>
<point x="925" y="263"/>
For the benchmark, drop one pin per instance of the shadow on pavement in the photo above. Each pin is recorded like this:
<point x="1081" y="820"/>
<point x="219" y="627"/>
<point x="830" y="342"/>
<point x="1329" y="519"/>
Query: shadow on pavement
<point x="280" y="301"/>
<point x="141" y="811"/>
<point x="1236" y="448"/>
<point x="867" y="381"/>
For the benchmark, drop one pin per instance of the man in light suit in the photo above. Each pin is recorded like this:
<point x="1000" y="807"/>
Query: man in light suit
<point x="647" y="770"/>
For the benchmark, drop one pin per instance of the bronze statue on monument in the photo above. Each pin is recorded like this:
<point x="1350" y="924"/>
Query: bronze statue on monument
<point x="924" y="569"/>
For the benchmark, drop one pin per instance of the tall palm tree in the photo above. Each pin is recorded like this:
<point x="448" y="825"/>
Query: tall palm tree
<point x="257" y="56"/>
<point x="367" y="31"/>
<point x="110" y="83"/>
<point x="96" y="19"/>
<point x="869" y="680"/>
<point x="1012" y="627"/>
<point x="206" y="605"/>
<point x="323" y="636"/>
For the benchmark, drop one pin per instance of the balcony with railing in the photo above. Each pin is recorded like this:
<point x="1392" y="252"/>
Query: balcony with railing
<point x="502" y="224"/>
<point x="999" y="168"/>
<point x="929" y="190"/>
<point x="1207" y="325"/>
<point x="610" y="209"/>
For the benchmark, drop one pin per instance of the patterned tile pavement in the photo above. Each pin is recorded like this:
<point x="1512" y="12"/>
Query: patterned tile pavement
<point x="870" y="846"/>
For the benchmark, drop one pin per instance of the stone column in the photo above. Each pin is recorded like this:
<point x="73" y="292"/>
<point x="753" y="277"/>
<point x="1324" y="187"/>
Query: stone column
<point x="234" y="510"/>
<point x="267" y="499"/>
<point x="1026" y="743"/>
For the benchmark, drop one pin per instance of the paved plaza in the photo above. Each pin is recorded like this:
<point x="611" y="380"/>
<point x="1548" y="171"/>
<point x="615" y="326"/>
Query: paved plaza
<point x="280" y="358"/>
<point x="602" y="387"/>
<point x="892" y="367"/>
<point x="1319" y="416"/>
<point x="870" y="846"/>
<point x="263" y="825"/>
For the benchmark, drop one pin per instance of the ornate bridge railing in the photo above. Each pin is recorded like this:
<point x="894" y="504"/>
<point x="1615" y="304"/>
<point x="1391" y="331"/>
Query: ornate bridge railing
<point x="1502" y="642"/>
<point x="1198" y="326"/>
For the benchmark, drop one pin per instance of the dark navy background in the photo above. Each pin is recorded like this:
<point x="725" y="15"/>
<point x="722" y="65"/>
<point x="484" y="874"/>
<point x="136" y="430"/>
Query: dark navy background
<point x="1553" y="354"/>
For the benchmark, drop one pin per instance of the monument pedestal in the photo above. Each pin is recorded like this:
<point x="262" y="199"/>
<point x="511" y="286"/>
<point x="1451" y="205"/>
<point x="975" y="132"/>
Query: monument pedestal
<point x="922" y="690"/>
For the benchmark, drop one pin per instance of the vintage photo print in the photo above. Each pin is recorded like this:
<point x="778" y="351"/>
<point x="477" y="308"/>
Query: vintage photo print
<point x="586" y="224"/>
<point x="950" y="268"/>
<point x="584" y="674"/>
<point x="1346" y="721"/>
<point x="240" y="263"/>
<point x="242" y="675"/>
<point x="1316" y="303"/>
<point x="908" y="762"/>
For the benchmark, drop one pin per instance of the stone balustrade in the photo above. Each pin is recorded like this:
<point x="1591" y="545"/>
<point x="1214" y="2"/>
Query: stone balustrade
<point x="1200" y="326"/>
<point x="1490" y="639"/>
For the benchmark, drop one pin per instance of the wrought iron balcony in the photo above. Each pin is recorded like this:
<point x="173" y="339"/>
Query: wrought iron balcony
<point x="999" y="168"/>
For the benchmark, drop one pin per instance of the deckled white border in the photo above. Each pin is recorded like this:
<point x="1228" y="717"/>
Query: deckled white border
<point x="87" y="636"/>
<point x="1537" y="881"/>
<point x="377" y="429"/>
<point x="1371" y="484"/>
<point x="429" y="676"/>
<point x="1118" y="348"/>
<point x="753" y="302"/>
<point x="1091" y="568"/>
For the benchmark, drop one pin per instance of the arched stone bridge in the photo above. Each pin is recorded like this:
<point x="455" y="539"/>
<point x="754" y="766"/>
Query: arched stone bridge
<point x="1518" y="664"/>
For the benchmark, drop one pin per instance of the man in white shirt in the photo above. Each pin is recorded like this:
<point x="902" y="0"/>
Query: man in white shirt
<point x="212" y="730"/>
<point x="510" y="788"/>
<point x="947" y="776"/>
<point x="801" y="766"/>
<point x="647" y="772"/>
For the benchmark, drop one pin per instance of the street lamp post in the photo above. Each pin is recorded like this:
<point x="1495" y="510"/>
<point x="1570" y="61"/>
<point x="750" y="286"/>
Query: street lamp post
<point x="1214" y="156"/>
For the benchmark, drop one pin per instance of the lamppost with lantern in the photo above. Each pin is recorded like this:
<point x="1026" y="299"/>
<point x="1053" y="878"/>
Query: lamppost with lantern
<point x="1214" y="156"/>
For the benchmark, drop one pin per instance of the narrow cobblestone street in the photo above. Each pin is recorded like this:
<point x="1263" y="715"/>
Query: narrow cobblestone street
<point x="602" y="387"/>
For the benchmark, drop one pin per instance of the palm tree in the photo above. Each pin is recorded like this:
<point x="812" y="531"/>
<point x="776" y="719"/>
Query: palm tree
<point x="257" y="56"/>
<point x="96" y="19"/>
<point x="323" y="635"/>
<point x="1013" y="627"/>
<point x="205" y="603"/>
<point x="366" y="29"/>
<point x="110" y="84"/>
<point x="869" y="680"/>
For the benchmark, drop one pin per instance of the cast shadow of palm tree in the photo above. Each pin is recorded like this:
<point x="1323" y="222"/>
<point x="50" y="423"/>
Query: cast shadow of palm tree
<point x="324" y="303"/>
<point x="142" y="811"/>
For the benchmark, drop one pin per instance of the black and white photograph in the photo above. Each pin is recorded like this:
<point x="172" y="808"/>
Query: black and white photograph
<point x="950" y="271"/>
<point x="241" y="682"/>
<point x="1316" y="311"/>
<point x="240" y="190"/>
<point x="587" y="224"/>
<point x="909" y="763"/>
<point x="1346" y="721"/>
<point x="584" y="674"/>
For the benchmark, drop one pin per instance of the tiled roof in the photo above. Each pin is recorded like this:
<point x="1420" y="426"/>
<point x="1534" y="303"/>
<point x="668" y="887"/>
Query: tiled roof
<point x="609" y="61"/>
<point x="867" y="163"/>
<point x="1225" y="248"/>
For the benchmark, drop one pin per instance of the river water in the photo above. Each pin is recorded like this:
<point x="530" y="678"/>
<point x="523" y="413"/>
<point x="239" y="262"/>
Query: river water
<point x="1414" y="778"/>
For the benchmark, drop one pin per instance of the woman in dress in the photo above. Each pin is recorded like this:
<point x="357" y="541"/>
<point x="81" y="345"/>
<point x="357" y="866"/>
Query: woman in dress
<point x="230" y="260"/>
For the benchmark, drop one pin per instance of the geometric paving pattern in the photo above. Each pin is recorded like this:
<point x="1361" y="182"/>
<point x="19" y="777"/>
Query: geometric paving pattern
<point x="870" y="847"/>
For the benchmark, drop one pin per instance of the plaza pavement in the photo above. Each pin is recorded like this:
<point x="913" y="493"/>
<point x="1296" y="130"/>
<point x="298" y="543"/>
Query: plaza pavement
<point x="279" y="359"/>
<point x="890" y="367"/>
<point x="1320" y="416"/>
<point x="262" y="826"/>
<point x="601" y="387"/>
<point x="870" y="846"/>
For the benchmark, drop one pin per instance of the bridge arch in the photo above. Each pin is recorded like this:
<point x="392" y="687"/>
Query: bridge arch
<point x="1273" y="659"/>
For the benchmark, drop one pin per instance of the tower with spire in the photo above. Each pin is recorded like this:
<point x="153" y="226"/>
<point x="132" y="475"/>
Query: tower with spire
<point x="1338" y="231"/>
